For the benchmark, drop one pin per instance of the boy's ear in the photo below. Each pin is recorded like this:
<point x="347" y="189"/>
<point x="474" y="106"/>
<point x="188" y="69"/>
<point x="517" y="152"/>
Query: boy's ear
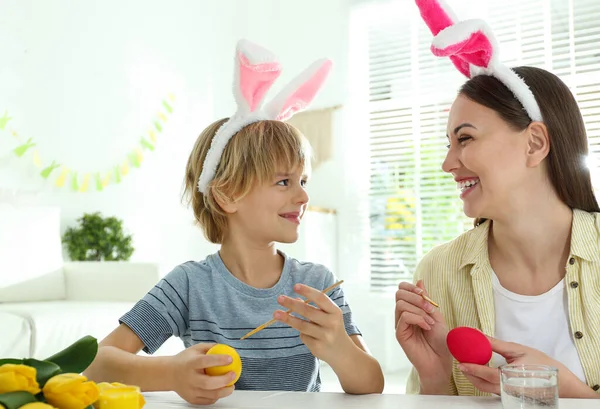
<point x="226" y="203"/>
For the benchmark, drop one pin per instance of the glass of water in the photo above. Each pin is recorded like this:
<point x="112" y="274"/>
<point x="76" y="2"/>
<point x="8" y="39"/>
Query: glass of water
<point x="529" y="386"/>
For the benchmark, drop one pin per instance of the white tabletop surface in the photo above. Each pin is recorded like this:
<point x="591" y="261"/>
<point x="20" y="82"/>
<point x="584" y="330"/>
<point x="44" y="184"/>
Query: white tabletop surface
<point x="324" y="400"/>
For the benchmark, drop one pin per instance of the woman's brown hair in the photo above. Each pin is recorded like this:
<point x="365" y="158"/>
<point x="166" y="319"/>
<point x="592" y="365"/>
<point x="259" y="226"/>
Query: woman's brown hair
<point x="566" y="165"/>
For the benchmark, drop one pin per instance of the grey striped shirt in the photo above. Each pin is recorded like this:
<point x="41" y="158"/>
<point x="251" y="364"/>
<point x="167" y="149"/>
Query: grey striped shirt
<point x="203" y="302"/>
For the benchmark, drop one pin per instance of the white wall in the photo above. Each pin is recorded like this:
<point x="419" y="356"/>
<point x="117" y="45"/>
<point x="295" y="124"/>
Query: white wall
<point x="86" y="78"/>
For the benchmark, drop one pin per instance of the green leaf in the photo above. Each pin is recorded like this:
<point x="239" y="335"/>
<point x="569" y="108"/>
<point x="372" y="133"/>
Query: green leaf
<point x="77" y="356"/>
<point x="11" y="361"/>
<point x="45" y="370"/>
<point x="14" y="400"/>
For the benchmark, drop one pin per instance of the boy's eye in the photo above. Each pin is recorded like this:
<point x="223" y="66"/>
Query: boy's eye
<point x="284" y="182"/>
<point x="303" y="182"/>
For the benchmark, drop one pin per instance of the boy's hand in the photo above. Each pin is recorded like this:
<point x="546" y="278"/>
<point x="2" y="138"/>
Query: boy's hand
<point x="323" y="330"/>
<point x="191" y="382"/>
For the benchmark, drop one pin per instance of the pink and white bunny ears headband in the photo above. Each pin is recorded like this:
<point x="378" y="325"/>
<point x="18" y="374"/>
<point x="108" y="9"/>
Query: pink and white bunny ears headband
<point x="473" y="49"/>
<point x="256" y="69"/>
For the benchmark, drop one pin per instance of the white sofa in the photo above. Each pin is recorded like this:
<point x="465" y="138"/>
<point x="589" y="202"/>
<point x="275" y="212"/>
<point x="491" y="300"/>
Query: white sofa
<point x="46" y="304"/>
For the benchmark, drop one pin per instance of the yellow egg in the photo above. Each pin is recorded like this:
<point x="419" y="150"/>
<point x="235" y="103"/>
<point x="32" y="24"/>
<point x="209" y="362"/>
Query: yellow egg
<point x="234" y="366"/>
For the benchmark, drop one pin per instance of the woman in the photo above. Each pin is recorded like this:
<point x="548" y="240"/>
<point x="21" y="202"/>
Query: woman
<point x="528" y="274"/>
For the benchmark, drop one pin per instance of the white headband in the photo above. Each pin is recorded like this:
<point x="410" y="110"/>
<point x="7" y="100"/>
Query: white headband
<point x="473" y="49"/>
<point x="256" y="69"/>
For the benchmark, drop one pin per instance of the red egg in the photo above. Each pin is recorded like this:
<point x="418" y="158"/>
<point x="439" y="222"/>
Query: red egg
<point x="469" y="346"/>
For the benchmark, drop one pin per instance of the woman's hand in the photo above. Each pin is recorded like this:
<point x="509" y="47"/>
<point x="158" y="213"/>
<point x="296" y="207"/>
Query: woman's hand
<point x="487" y="379"/>
<point x="322" y="330"/>
<point x="421" y="332"/>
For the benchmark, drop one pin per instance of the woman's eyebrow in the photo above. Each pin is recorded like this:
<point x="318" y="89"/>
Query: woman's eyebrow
<point x="461" y="126"/>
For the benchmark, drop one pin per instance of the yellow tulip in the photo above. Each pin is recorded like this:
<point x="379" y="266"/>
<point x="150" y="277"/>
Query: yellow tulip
<point x="105" y="385"/>
<point x="70" y="391"/>
<point x="14" y="378"/>
<point x="119" y="396"/>
<point x="36" y="405"/>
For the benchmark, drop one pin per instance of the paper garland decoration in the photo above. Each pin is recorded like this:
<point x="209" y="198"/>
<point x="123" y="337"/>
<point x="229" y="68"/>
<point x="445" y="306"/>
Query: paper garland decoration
<point x="4" y="120"/>
<point x="101" y="179"/>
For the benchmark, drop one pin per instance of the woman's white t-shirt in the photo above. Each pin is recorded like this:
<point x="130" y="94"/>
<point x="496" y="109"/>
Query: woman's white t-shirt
<point x="540" y="322"/>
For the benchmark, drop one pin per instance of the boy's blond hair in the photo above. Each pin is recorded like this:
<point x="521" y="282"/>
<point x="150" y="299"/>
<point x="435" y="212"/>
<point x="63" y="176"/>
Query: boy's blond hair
<point x="253" y="156"/>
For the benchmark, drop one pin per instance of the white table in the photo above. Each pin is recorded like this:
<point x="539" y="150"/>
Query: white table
<point x="325" y="400"/>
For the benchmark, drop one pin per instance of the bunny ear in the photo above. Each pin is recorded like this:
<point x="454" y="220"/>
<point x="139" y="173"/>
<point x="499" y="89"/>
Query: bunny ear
<point x="300" y="92"/>
<point x="472" y="47"/>
<point x="462" y="66"/>
<point x="256" y="68"/>
<point x="436" y="14"/>
<point x="468" y="42"/>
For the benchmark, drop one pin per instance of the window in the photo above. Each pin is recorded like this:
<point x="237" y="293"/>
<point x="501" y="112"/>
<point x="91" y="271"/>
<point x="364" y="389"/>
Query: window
<point x="414" y="205"/>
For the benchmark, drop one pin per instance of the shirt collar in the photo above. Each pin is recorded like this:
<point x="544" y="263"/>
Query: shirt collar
<point x="585" y="242"/>
<point x="585" y="239"/>
<point x="476" y="248"/>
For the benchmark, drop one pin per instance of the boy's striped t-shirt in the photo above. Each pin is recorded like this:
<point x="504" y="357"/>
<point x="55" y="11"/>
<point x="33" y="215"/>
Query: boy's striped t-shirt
<point x="202" y="302"/>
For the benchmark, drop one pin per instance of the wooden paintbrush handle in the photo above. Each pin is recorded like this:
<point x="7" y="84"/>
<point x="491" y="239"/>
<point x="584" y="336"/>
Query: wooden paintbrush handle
<point x="273" y="321"/>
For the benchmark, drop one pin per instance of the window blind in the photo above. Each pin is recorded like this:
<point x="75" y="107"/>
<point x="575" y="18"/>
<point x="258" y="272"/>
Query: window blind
<point x="414" y="205"/>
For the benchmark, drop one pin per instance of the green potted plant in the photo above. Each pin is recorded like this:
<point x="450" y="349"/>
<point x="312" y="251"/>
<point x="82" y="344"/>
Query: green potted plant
<point x="98" y="239"/>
